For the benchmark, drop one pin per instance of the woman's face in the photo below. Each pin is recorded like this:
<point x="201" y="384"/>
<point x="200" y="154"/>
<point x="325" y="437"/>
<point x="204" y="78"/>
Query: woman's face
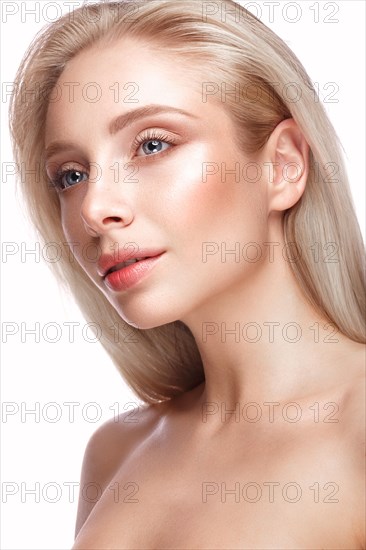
<point x="165" y="181"/>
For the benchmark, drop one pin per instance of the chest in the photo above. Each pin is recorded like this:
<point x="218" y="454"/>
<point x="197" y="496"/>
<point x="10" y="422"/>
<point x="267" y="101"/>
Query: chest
<point x="233" y="495"/>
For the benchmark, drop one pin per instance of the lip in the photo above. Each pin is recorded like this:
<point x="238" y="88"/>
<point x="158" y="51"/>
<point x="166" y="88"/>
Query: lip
<point x="128" y="276"/>
<point x="107" y="261"/>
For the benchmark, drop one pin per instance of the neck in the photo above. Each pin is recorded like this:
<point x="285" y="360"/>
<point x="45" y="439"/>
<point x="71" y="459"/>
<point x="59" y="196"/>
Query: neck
<point x="263" y="342"/>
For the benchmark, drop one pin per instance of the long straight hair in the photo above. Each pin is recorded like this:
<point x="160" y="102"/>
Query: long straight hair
<point x="238" y="49"/>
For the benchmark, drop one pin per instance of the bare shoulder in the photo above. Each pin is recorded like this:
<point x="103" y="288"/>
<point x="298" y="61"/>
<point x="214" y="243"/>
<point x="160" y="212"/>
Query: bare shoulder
<point x="354" y="399"/>
<point x="107" y="448"/>
<point x="352" y="422"/>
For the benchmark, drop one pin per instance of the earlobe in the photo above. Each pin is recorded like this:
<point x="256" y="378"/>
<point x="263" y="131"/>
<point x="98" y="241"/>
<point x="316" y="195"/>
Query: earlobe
<point x="288" y="151"/>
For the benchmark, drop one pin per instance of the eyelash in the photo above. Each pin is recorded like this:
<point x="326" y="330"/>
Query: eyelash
<point x="148" y="135"/>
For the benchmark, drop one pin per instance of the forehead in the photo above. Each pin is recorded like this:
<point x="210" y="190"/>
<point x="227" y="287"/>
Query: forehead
<point x="122" y="76"/>
<point x="126" y="59"/>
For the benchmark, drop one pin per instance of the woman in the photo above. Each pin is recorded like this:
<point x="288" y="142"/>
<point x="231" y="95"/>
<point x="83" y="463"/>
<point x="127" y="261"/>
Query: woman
<point x="242" y="327"/>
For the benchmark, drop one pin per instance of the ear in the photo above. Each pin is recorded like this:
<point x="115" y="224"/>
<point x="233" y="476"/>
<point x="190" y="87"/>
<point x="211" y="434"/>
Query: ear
<point x="288" y="153"/>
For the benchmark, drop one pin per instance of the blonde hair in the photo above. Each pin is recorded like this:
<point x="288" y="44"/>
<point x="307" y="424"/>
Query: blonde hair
<point x="162" y="362"/>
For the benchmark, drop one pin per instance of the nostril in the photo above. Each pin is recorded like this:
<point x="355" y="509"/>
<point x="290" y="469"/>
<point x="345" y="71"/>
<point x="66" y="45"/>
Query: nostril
<point x="114" y="218"/>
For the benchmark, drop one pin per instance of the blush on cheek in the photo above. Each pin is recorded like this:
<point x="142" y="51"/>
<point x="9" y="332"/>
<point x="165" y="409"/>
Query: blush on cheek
<point x="206" y="189"/>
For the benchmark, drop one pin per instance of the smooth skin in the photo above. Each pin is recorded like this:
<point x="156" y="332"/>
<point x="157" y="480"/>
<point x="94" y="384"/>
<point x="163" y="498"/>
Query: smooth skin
<point x="178" y="459"/>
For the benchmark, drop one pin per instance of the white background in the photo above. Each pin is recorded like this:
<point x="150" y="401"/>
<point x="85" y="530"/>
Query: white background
<point x="35" y="374"/>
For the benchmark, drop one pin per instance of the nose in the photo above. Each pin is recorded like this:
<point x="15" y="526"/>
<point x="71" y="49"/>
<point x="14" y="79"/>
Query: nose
<point x="105" y="206"/>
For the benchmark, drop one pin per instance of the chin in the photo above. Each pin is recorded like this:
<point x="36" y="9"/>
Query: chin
<point x="144" y="318"/>
<point x="151" y="308"/>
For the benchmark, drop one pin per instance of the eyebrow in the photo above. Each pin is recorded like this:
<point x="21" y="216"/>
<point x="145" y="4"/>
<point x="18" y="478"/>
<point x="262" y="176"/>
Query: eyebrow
<point x="121" y="122"/>
<point x="131" y="116"/>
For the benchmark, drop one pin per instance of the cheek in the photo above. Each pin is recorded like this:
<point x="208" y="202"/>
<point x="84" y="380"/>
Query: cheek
<point x="72" y="224"/>
<point x="70" y="215"/>
<point x="201" y="200"/>
<point x="84" y="251"/>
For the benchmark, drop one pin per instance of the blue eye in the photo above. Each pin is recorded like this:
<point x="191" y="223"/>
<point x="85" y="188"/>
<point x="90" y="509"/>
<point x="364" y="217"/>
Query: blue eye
<point x="152" y="142"/>
<point x="68" y="178"/>
<point x="153" y="146"/>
